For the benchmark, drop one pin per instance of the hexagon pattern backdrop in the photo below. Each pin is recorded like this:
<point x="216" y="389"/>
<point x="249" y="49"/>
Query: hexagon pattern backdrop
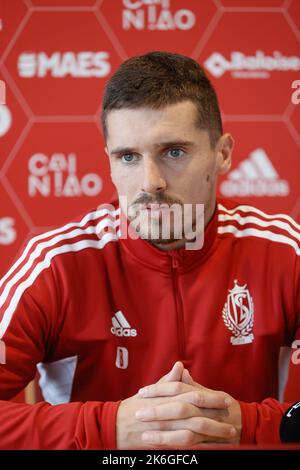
<point x="55" y="57"/>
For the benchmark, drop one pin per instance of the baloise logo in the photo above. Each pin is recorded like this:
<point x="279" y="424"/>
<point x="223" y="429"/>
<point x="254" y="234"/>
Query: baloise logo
<point x="259" y="65"/>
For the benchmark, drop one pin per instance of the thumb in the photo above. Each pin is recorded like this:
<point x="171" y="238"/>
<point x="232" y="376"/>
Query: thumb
<point x="175" y="373"/>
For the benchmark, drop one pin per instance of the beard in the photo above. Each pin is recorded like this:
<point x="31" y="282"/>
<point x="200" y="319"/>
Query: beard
<point x="161" y="219"/>
<point x="159" y="224"/>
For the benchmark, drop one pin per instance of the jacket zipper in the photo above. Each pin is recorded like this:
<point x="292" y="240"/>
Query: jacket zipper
<point x="179" y="308"/>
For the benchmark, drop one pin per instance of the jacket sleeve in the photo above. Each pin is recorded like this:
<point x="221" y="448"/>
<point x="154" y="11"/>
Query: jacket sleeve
<point x="261" y="421"/>
<point x="29" y="324"/>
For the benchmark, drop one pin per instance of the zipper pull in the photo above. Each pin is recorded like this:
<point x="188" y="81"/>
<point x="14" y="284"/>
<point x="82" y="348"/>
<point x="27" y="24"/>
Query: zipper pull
<point x="175" y="263"/>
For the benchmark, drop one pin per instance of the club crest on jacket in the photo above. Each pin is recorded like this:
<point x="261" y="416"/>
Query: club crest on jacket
<point x="238" y="314"/>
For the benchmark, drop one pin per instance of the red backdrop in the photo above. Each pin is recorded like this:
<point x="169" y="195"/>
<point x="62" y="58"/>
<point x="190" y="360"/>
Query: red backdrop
<point x="55" y="57"/>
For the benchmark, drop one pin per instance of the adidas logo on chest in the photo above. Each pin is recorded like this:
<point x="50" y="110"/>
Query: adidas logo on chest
<point x="121" y="327"/>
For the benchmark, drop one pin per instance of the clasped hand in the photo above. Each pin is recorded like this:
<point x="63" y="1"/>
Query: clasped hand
<point x="176" y="412"/>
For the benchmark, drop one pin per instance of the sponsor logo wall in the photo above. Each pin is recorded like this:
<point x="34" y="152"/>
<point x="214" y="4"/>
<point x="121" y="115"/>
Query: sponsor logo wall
<point x="55" y="57"/>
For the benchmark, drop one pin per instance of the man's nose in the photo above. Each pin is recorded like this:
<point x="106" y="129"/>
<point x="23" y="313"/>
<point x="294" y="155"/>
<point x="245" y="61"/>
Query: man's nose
<point x="153" y="179"/>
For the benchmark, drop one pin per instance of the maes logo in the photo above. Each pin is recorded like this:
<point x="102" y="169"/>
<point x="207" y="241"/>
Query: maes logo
<point x="57" y="176"/>
<point x="61" y="64"/>
<point x="155" y="15"/>
<point x="258" y="66"/>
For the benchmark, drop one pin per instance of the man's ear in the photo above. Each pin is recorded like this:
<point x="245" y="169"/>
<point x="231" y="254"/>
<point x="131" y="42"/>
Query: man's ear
<point x="224" y="149"/>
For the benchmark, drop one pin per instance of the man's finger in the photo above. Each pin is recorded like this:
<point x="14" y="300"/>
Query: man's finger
<point x="167" y="411"/>
<point x="181" y="438"/>
<point x="206" y="429"/>
<point x="165" y="389"/>
<point x="175" y="373"/>
<point x="201" y="397"/>
<point x="177" y="410"/>
<point x="187" y="379"/>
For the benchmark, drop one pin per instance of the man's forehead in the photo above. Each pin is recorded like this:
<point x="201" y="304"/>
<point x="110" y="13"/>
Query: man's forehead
<point x="167" y="124"/>
<point x="169" y="110"/>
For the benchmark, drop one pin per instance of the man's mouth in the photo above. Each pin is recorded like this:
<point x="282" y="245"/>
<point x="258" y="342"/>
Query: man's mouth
<point x="156" y="208"/>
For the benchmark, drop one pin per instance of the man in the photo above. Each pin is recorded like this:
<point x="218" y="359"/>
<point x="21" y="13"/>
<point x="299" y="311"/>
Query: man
<point x="104" y="308"/>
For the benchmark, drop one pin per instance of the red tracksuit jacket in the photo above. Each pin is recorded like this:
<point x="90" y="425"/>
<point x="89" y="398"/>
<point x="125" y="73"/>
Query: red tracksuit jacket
<point x="101" y="316"/>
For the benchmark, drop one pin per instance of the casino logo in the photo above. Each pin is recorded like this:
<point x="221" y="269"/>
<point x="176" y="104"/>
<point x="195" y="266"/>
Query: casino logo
<point x="155" y="15"/>
<point x="152" y="25"/>
<point x="56" y="175"/>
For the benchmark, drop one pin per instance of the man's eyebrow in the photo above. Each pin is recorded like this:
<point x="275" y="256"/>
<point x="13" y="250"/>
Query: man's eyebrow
<point x="171" y="143"/>
<point x="174" y="143"/>
<point x="119" y="150"/>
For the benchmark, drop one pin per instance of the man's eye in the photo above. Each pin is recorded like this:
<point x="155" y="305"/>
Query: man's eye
<point x="175" y="153"/>
<point x="127" y="158"/>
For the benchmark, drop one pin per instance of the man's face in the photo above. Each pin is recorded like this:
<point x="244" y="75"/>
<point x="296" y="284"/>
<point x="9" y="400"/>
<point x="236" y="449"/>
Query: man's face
<point x="159" y="156"/>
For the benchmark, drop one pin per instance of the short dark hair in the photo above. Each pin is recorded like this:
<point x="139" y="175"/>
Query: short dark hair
<point x="157" y="79"/>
